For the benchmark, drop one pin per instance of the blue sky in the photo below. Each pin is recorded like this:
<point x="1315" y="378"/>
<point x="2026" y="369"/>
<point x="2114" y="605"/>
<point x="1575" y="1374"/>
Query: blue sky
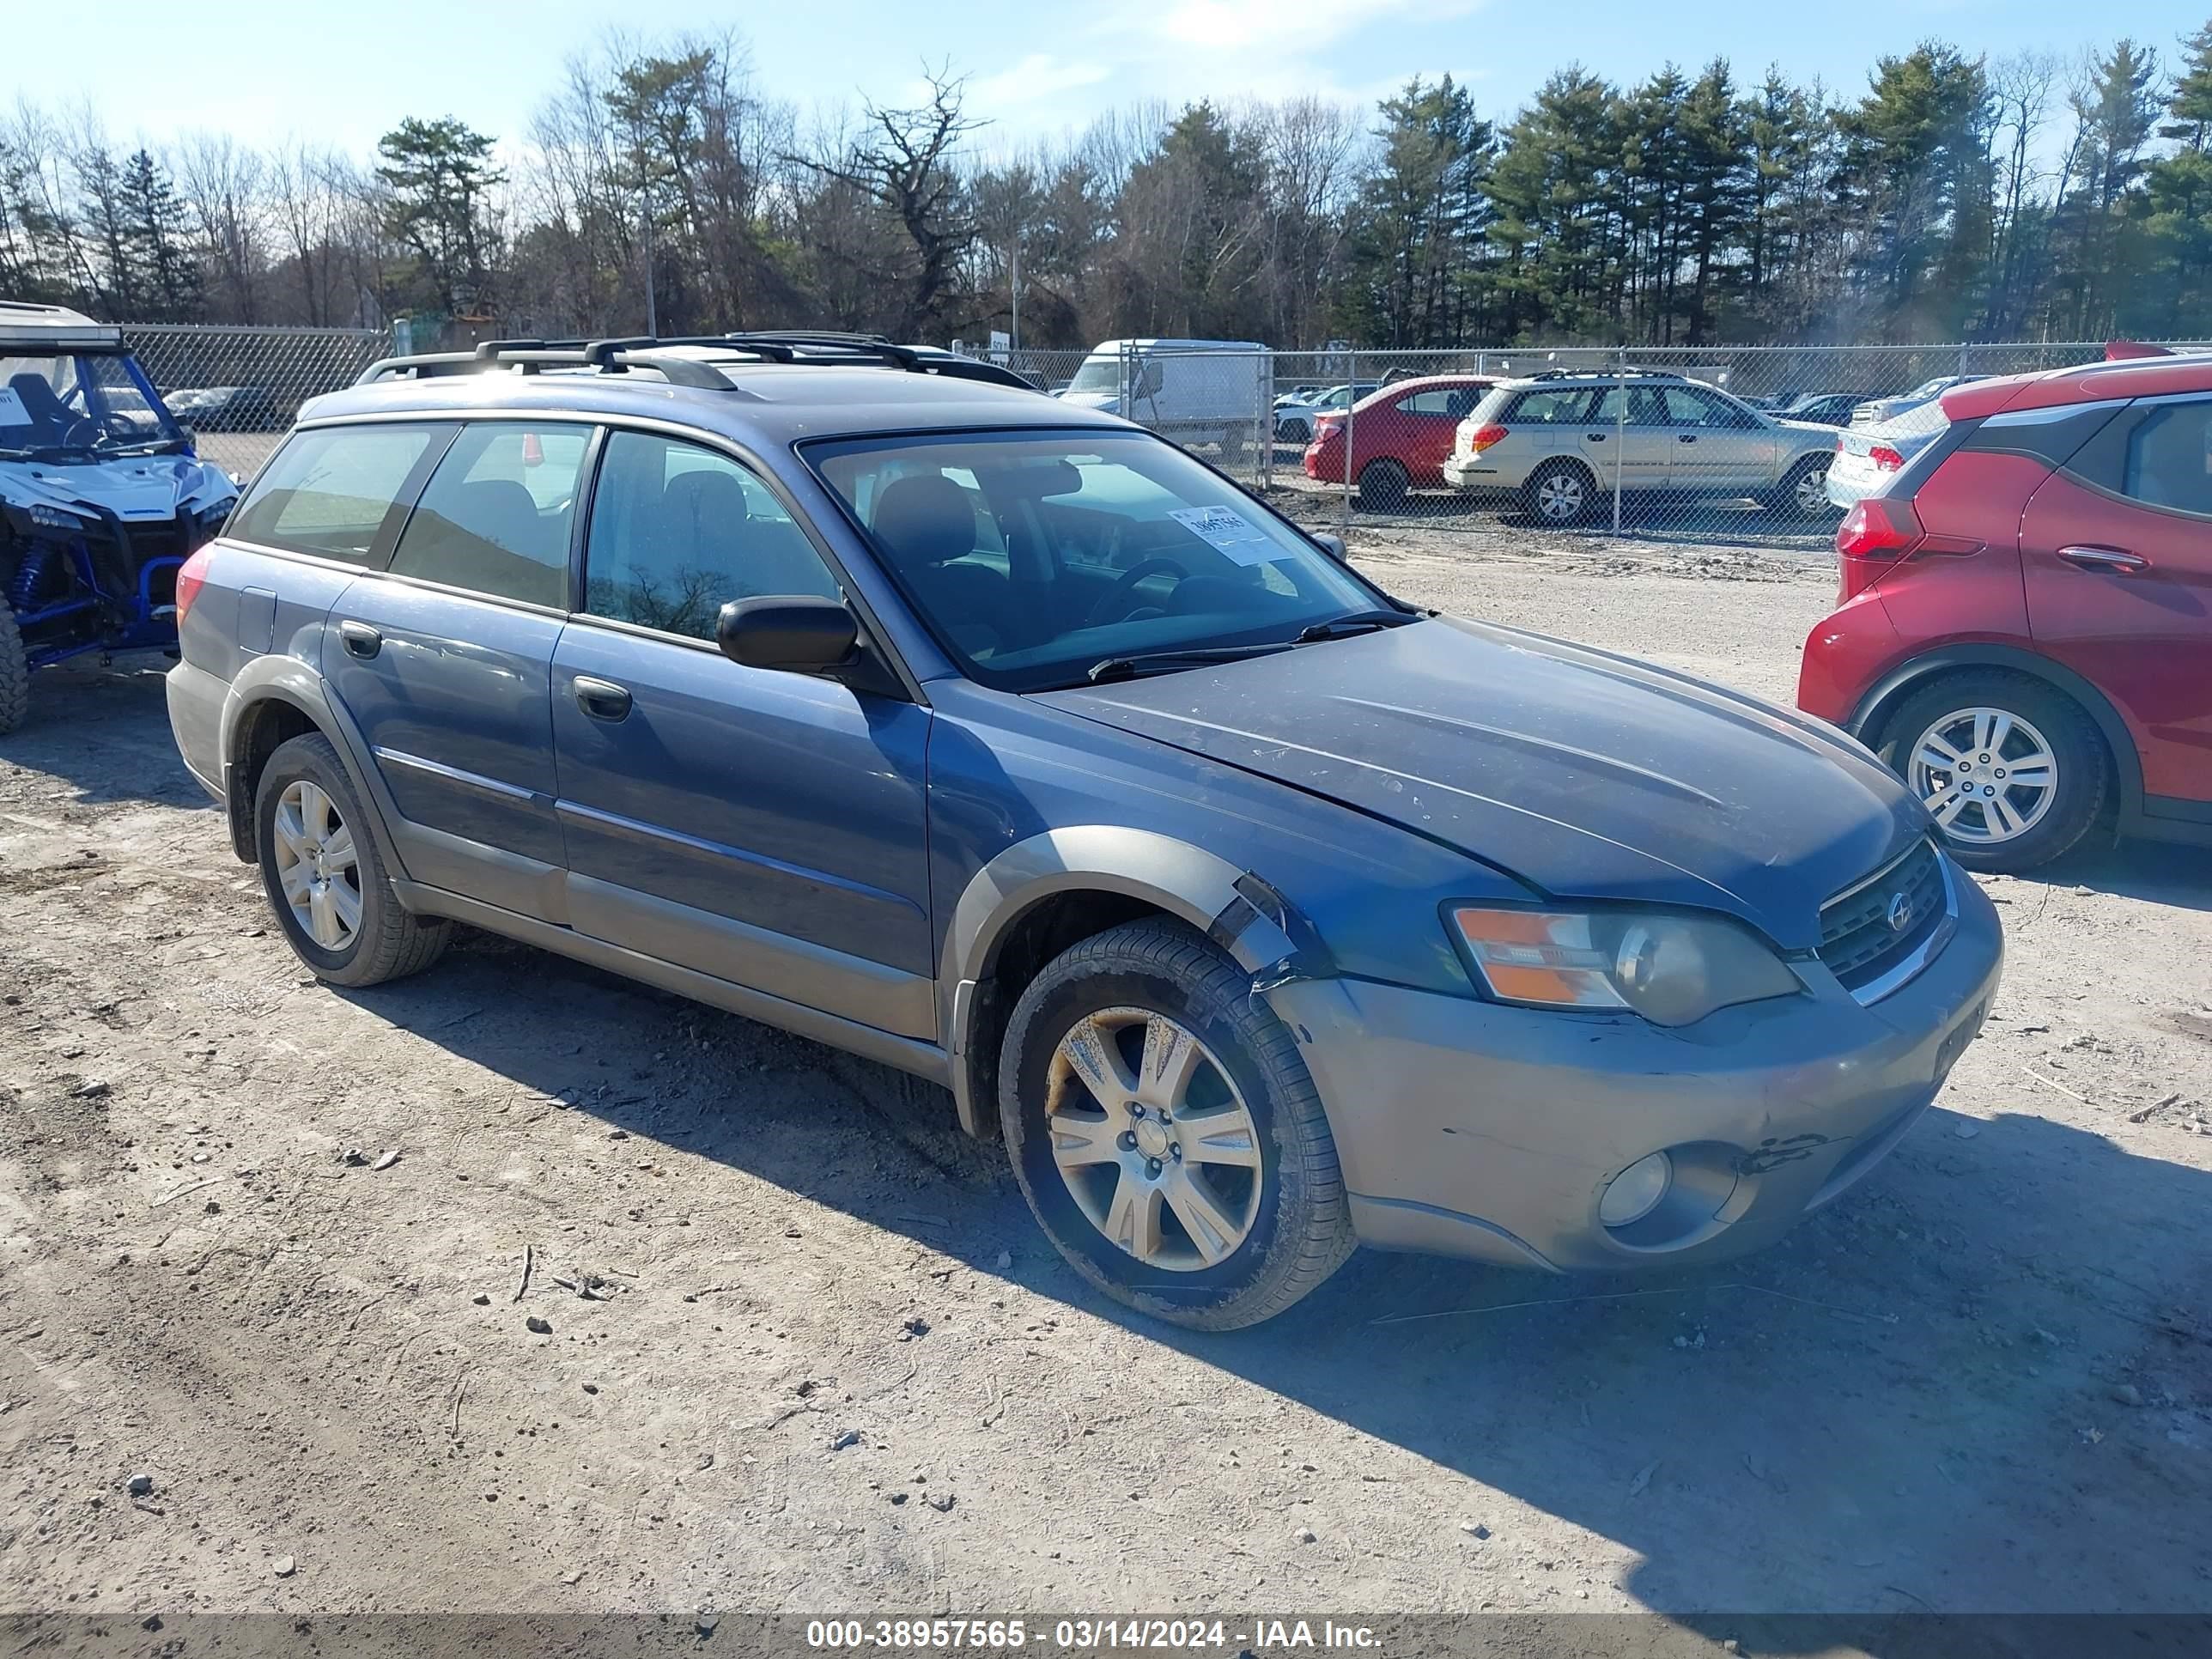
<point x="262" y="71"/>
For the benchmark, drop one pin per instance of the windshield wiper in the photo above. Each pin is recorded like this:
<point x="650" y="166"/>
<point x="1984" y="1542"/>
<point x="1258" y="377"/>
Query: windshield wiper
<point x="1126" y="668"/>
<point x="1336" y="627"/>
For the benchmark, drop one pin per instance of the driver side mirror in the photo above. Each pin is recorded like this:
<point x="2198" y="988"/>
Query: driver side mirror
<point x="794" y="632"/>
<point x="1331" y="545"/>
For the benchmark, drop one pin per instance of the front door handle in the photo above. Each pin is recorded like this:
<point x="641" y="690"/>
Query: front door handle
<point x="1686" y="437"/>
<point x="603" y="699"/>
<point x="360" y="640"/>
<point x="1594" y="437"/>
<point x="2117" y="561"/>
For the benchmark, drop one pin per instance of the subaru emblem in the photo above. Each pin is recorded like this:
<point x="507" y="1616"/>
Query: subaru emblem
<point x="1900" y="912"/>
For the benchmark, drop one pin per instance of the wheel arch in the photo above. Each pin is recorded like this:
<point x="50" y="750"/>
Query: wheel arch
<point x="1879" y="703"/>
<point x="271" y="700"/>
<point x="1036" y="899"/>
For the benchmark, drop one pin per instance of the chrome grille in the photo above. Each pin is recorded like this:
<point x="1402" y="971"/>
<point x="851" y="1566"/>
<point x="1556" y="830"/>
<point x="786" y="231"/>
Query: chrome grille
<point x="1869" y="929"/>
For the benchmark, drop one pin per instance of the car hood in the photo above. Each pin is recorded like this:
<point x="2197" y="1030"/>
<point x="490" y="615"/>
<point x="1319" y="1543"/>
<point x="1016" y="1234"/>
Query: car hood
<point x="1581" y="774"/>
<point x="136" y="488"/>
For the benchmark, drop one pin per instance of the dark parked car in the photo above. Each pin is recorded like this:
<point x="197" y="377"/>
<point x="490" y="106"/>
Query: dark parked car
<point x="227" y="408"/>
<point x="1002" y="741"/>
<point x="2027" y="614"/>
<point x="1822" y="408"/>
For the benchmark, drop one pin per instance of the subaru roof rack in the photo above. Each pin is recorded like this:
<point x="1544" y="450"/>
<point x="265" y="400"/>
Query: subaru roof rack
<point x="1614" y="374"/>
<point x="654" y="352"/>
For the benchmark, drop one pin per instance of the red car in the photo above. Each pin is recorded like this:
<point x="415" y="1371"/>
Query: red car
<point x="1401" y="436"/>
<point x="2025" y="625"/>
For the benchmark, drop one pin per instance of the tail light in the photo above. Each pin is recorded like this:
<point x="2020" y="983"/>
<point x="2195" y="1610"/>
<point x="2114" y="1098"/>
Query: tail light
<point x="191" y="576"/>
<point x="1885" y="458"/>
<point x="1484" y="437"/>
<point x="1876" y="534"/>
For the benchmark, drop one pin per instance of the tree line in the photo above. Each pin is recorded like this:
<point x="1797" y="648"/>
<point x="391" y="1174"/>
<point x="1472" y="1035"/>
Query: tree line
<point x="1954" y="197"/>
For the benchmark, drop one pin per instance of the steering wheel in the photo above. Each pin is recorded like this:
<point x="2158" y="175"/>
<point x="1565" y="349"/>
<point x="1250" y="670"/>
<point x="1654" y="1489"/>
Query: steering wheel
<point x="85" y="430"/>
<point x="1114" y="603"/>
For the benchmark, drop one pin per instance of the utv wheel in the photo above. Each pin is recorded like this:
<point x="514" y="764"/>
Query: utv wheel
<point x="1166" y="1133"/>
<point x="1561" y="494"/>
<point x="14" y="674"/>
<point x="1803" y="492"/>
<point x="324" y="873"/>
<point x="2011" y="768"/>
<point x="1385" y="486"/>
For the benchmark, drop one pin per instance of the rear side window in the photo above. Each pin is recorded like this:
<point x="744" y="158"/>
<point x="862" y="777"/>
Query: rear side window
<point x="677" y="531"/>
<point x="2169" y="458"/>
<point x="332" y="491"/>
<point x="494" y="517"/>
<point x="1453" y="401"/>
<point x="1563" y="407"/>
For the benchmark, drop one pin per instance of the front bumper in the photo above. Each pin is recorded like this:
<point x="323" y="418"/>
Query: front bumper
<point x="1474" y="1130"/>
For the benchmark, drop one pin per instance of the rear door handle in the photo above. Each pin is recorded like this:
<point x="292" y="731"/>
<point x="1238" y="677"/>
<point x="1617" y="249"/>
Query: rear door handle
<point x="603" y="699"/>
<point x="360" y="640"/>
<point x="2117" y="561"/>
<point x="1686" y="437"/>
<point x="1594" y="437"/>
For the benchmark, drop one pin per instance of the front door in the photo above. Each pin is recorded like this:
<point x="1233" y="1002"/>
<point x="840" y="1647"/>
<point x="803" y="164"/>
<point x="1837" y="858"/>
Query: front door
<point x="2116" y="548"/>
<point x="765" y="828"/>
<point x="1719" y="448"/>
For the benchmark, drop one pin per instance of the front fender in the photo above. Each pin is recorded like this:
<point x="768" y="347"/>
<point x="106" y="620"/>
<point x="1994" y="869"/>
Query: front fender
<point x="1237" y="911"/>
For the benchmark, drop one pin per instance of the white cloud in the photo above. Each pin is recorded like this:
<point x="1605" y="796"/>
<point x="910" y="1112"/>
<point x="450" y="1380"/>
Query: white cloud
<point x="1037" y="76"/>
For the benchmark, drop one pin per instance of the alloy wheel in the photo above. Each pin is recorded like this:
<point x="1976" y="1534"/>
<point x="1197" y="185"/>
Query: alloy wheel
<point x="1560" y="498"/>
<point x="1812" y="492"/>
<point x="1986" y="774"/>
<point x="1153" y="1140"/>
<point x="316" y="866"/>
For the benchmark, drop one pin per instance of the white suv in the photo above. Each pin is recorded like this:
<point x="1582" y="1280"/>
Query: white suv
<point x="1561" y="439"/>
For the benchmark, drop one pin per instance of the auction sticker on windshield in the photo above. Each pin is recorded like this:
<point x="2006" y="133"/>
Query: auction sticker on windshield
<point x="1226" y="528"/>
<point x="12" y="412"/>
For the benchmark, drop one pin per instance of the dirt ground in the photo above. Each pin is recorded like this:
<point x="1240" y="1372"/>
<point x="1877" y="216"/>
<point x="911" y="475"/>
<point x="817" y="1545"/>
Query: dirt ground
<point x="274" y="1247"/>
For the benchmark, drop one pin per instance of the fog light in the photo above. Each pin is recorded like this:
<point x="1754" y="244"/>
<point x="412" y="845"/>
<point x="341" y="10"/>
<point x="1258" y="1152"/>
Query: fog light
<point x="1637" y="1190"/>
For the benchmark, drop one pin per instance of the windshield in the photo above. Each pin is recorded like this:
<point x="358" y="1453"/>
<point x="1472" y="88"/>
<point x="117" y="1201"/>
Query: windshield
<point x="1035" y="556"/>
<point x="1101" y="371"/>
<point x="80" y="405"/>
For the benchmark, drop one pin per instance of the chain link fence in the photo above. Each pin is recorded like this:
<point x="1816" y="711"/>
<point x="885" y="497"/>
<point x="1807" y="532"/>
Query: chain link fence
<point x="239" y="389"/>
<point x="1715" y="444"/>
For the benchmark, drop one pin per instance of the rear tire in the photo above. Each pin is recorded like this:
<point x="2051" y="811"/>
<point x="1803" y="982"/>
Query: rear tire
<point x="1560" y="494"/>
<point x="370" y="937"/>
<point x="14" y="672"/>
<point x="1234" y="1138"/>
<point x="1385" y="486"/>
<point x="2028" y="796"/>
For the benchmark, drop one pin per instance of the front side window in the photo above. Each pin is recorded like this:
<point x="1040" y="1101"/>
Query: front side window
<point x="494" y="517"/>
<point x="679" y="531"/>
<point x="2169" y="459"/>
<point x="331" y="489"/>
<point x="1686" y="406"/>
<point x="1035" y="556"/>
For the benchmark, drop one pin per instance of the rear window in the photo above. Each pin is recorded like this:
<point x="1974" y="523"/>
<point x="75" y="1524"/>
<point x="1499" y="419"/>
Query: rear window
<point x="2169" y="460"/>
<point x="494" y="517"/>
<point x="333" y="491"/>
<point x="1561" y="406"/>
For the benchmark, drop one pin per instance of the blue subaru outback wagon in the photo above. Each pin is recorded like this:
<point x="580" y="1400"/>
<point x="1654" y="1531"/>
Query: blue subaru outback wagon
<point x="857" y="690"/>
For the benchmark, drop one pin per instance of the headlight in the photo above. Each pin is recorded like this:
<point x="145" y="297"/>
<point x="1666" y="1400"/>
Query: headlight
<point x="54" y="518"/>
<point x="1672" y="970"/>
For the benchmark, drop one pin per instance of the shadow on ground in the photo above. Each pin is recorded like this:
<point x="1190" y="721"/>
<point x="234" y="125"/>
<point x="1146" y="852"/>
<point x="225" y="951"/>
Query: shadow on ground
<point x="103" y="730"/>
<point x="1998" y="1293"/>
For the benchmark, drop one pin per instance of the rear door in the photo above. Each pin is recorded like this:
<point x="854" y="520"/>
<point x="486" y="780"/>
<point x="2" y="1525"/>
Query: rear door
<point x="1428" y="419"/>
<point x="2116" y="548"/>
<point x="765" y="828"/>
<point x="1635" y="438"/>
<point x="444" y="660"/>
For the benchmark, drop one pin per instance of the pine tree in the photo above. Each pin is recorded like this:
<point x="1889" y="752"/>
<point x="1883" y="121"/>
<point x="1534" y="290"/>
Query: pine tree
<point x="440" y="177"/>
<point x="155" y="224"/>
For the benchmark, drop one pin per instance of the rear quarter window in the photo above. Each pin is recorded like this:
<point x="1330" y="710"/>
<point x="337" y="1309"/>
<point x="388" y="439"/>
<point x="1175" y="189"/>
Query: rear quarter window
<point x="335" y="491"/>
<point x="1561" y="407"/>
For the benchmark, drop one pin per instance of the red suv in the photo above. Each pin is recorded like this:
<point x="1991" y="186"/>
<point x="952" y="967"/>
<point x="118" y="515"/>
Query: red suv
<point x="2024" y="630"/>
<point x="1401" y="436"/>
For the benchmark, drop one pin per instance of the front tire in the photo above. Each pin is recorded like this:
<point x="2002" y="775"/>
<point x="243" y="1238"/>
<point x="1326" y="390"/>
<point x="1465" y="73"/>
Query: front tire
<point x="324" y="874"/>
<point x="1167" y="1135"/>
<point x="14" y="672"/>
<point x="2013" y="770"/>
<point x="1803" y="491"/>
